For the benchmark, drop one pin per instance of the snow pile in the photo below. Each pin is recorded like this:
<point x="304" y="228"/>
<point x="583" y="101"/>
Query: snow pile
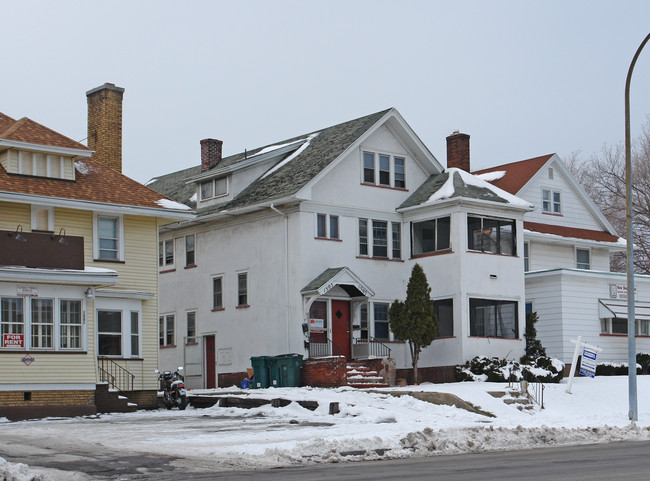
<point x="18" y="472"/>
<point x="82" y="167"/>
<point x="492" y="176"/>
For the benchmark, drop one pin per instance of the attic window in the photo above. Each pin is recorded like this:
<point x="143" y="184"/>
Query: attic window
<point x="214" y="188"/>
<point x="41" y="165"/>
<point x="550" y="172"/>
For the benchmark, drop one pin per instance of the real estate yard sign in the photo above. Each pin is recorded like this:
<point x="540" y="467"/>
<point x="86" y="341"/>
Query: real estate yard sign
<point x="588" y="363"/>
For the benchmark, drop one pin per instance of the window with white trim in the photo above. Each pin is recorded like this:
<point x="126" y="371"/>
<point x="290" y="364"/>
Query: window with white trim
<point x="214" y="188"/>
<point x="190" y="250"/>
<point x="41" y="165"/>
<point x="380" y="320"/>
<point x="42" y="218"/>
<point x="363" y="320"/>
<point x="383" y="169"/>
<point x="327" y="226"/>
<point x="217" y="292"/>
<point x="109" y="333"/>
<point x="42" y="323"/>
<point x="491" y="235"/>
<point x="430" y="236"/>
<point x="191" y="326"/>
<point x="242" y="289"/>
<point x="583" y="259"/>
<point x="444" y="310"/>
<point x="551" y="201"/>
<point x="616" y="325"/>
<point x="70" y="325"/>
<point x="135" y="334"/>
<point x="167" y="330"/>
<point x="526" y="256"/>
<point x="377" y="241"/>
<point x="109" y="238"/>
<point x="492" y="318"/>
<point x="166" y="253"/>
<point x="12" y="322"/>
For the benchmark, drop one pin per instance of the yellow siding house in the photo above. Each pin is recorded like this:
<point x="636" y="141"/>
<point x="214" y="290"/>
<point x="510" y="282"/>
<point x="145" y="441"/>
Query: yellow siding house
<point x="78" y="269"/>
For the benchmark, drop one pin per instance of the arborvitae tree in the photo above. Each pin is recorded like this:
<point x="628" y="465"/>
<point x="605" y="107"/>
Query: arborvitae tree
<point x="414" y="319"/>
<point x="534" y="348"/>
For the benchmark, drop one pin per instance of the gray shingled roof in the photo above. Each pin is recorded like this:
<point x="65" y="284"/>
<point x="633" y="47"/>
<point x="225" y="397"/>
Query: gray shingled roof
<point x="287" y="180"/>
<point x="461" y="189"/>
<point x="320" y="280"/>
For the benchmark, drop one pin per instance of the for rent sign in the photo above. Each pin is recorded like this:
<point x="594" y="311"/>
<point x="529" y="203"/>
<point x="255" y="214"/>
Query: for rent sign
<point x="13" y="340"/>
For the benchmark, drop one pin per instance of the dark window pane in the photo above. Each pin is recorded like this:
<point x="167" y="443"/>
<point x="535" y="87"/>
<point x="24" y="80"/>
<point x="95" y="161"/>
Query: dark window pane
<point x="320" y="225"/>
<point x="384" y="170"/>
<point x="443" y="226"/>
<point x="363" y="237"/>
<point x="369" y="167"/>
<point x="379" y="239"/>
<point x="474" y="233"/>
<point x="400" y="177"/>
<point x="334" y="227"/>
<point x="444" y="309"/>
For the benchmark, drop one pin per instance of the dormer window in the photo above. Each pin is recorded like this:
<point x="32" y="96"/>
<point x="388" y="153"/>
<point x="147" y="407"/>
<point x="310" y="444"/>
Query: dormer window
<point x="214" y="188"/>
<point x="41" y="165"/>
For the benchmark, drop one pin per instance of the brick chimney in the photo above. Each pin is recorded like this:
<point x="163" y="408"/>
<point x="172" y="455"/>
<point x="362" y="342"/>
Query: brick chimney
<point x="210" y="153"/>
<point x="105" y="124"/>
<point x="458" y="151"/>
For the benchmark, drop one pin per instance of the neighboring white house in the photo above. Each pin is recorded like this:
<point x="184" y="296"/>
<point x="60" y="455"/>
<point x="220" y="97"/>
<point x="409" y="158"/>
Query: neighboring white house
<point x="301" y="246"/>
<point x="567" y="248"/>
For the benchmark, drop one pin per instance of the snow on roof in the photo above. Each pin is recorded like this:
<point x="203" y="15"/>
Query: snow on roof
<point x="491" y="176"/>
<point x="292" y="156"/>
<point x="82" y="167"/>
<point x="448" y="189"/>
<point x="170" y="204"/>
<point x="271" y="148"/>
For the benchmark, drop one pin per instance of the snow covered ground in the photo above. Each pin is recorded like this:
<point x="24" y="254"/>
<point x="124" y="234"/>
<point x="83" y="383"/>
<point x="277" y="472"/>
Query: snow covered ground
<point x="370" y="425"/>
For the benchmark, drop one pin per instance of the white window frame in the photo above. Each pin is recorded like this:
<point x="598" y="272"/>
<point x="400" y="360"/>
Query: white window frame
<point x="214" y="304"/>
<point x="138" y="334"/>
<point x="163" y="264"/>
<point x="328" y="226"/>
<point x="370" y="239"/>
<point x="120" y="237"/>
<point x="247" y="289"/>
<point x="578" y="264"/>
<point x="187" y="326"/>
<point x="642" y="327"/>
<point x="193" y="251"/>
<point x="214" y="182"/>
<point x="59" y="324"/>
<point x="376" y="155"/>
<point x="50" y="217"/>
<point x="387" y="321"/>
<point x="526" y="256"/>
<point x="30" y="157"/>
<point x="551" y="201"/>
<point x="163" y="320"/>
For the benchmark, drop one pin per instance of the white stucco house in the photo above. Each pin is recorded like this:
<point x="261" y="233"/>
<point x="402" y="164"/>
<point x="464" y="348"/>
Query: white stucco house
<point x="301" y="246"/>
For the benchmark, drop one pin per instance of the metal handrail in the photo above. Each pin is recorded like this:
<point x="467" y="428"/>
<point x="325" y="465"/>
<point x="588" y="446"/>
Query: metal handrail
<point x="115" y="375"/>
<point x="375" y="347"/>
<point x="327" y="348"/>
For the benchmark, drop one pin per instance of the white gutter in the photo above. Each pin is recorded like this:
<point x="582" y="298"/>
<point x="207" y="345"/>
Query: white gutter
<point x="19" y="197"/>
<point x="58" y="276"/>
<point x="46" y="148"/>
<point x="465" y="201"/>
<point x="286" y="268"/>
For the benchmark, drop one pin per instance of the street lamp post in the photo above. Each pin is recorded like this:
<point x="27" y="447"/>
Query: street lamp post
<point x="631" y="324"/>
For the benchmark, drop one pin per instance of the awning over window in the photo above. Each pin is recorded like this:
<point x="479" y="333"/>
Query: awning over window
<point x="618" y="308"/>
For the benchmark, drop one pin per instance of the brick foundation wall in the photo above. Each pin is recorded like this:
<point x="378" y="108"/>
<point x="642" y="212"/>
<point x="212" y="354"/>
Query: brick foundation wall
<point x="17" y="405"/>
<point x="324" y="372"/>
<point x="231" y="379"/>
<point x="437" y="374"/>
<point x="144" y="399"/>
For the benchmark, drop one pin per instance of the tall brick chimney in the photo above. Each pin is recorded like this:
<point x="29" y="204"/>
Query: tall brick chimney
<point x="458" y="151"/>
<point x="105" y="124"/>
<point x="210" y="153"/>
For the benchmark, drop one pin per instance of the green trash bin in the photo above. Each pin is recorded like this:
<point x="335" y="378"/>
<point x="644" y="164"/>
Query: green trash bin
<point x="289" y="366"/>
<point x="273" y="366"/>
<point x="260" y="372"/>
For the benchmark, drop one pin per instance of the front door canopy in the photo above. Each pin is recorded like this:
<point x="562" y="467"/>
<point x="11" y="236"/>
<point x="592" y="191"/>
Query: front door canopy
<point x="617" y="308"/>
<point x="337" y="276"/>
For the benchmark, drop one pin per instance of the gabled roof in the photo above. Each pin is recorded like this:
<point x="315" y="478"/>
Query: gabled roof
<point x="573" y="232"/>
<point x="31" y="132"/>
<point x="338" y="276"/>
<point x="284" y="179"/>
<point x="456" y="183"/>
<point x="516" y="174"/>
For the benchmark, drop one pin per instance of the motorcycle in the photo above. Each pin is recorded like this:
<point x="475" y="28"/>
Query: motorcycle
<point x="172" y="385"/>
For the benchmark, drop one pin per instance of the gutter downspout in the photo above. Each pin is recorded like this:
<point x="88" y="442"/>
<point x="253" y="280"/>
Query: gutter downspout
<point x="286" y="268"/>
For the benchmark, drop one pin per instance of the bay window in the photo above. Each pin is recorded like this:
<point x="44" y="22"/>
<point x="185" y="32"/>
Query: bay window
<point x="492" y="318"/>
<point x="430" y="236"/>
<point x="491" y="235"/>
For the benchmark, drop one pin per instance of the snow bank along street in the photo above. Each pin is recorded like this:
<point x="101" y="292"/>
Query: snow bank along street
<point x="370" y="425"/>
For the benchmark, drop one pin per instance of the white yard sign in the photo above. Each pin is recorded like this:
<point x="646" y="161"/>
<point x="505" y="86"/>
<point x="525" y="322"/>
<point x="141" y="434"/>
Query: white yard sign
<point x="588" y="364"/>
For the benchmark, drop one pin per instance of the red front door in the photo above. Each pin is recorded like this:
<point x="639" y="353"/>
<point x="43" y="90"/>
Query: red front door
<point x="341" y="328"/>
<point x="210" y="360"/>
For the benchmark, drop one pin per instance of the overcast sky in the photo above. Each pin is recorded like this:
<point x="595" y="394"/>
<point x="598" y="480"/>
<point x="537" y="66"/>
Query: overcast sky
<point x="522" y="78"/>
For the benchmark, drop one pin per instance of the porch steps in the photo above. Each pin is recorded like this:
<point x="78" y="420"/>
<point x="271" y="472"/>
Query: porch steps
<point x="110" y="400"/>
<point x="361" y="376"/>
